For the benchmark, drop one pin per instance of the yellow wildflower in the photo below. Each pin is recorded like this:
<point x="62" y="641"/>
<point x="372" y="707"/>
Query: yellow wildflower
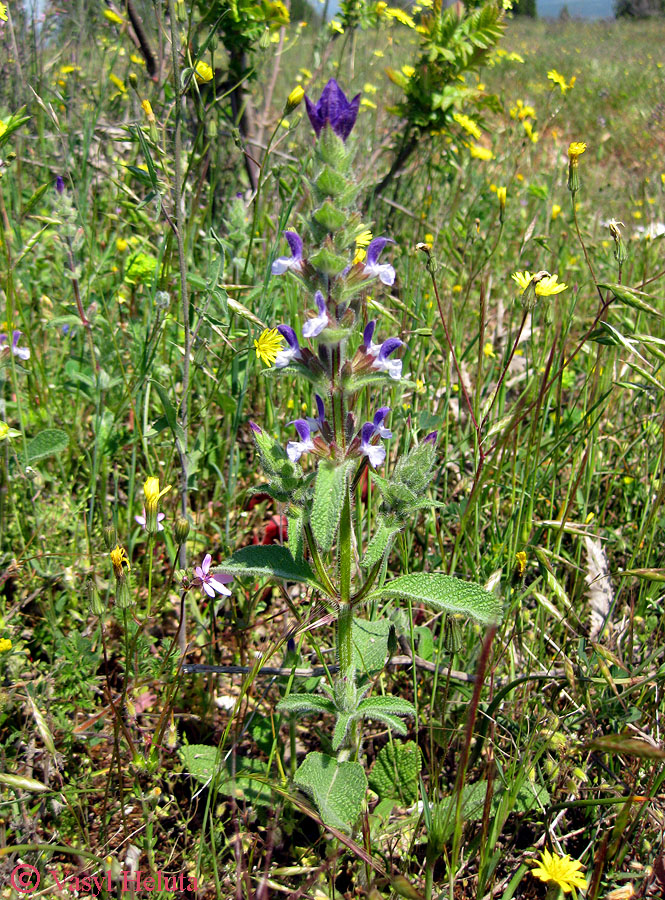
<point x="362" y="242"/>
<point x="379" y="54"/>
<point x="488" y="350"/>
<point x="3" y="12"/>
<point x="393" y="12"/>
<point x="336" y="26"/>
<point x="467" y="124"/>
<point x="501" y="195"/>
<point x="528" y="127"/>
<point x="118" y="83"/>
<point x="480" y="152"/>
<point x="562" y="870"/>
<point x="409" y="71"/>
<point x="5" y="645"/>
<point x="368" y="104"/>
<point x="369" y="88"/>
<point x="576" y="149"/>
<point x="268" y="345"/>
<point x="121" y="245"/>
<point x="295" y="98"/>
<point x="119" y="559"/>
<point x="203" y="72"/>
<point x="520" y="559"/>
<point x="556" y="210"/>
<point x="147" y="109"/>
<point x="113" y="17"/>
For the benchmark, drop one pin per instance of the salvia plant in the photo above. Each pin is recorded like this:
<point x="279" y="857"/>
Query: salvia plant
<point x="317" y="475"/>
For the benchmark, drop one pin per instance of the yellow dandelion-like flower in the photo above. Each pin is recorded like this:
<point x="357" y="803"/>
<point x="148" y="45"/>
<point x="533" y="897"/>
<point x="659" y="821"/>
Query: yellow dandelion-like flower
<point x="575" y="150"/>
<point x="121" y="245"/>
<point x="118" y="83"/>
<point x="147" y="109"/>
<point x="522" y="279"/>
<point x="528" y="127"/>
<point x="5" y="643"/>
<point x="562" y="870"/>
<point x="379" y="54"/>
<point x="520" y="559"/>
<point x="409" y="71"/>
<point x="467" y="124"/>
<point x="547" y="285"/>
<point x="369" y="88"/>
<point x="479" y="152"/>
<point x="3" y="12"/>
<point x="488" y="350"/>
<point x="334" y="25"/>
<point x="113" y="17"/>
<point x="558" y="78"/>
<point x="119" y="559"/>
<point x="203" y="72"/>
<point x="501" y="195"/>
<point x="268" y="345"/>
<point x="556" y="211"/>
<point x="393" y="12"/>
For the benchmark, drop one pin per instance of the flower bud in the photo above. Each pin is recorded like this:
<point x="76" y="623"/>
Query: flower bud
<point x="133" y="80"/>
<point x="95" y="603"/>
<point x="110" y="539"/>
<point x="181" y="529"/>
<point x="452" y="635"/>
<point x="147" y="109"/>
<point x="620" y="253"/>
<point x="501" y="197"/>
<point x="294" y="99"/>
<point x="575" y="150"/>
<point x="152" y="496"/>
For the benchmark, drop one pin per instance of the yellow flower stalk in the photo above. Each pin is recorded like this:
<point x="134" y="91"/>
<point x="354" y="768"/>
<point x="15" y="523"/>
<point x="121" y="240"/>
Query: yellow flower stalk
<point x="203" y="72"/>
<point x="560" y="870"/>
<point x="268" y="345"/>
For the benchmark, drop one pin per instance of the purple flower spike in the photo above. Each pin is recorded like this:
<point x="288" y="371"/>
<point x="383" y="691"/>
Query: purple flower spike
<point x="376" y="453"/>
<point x="373" y="268"/>
<point x="431" y="438"/>
<point x="142" y="520"/>
<point x="295" y="449"/>
<point x="21" y="352"/>
<point x="392" y="366"/>
<point x="294" y="262"/>
<point x="60" y="184"/>
<point x="315" y="326"/>
<point x="255" y="428"/>
<point x="292" y="351"/>
<point x="211" y="583"/>
<point x="333" y="109"/>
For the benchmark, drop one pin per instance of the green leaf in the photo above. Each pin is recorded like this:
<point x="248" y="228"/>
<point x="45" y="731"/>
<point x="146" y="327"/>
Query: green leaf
<point x="373" y="707"/>
<point x="295" y="533"/>
<point x="396" y="770"/>
<point x="170" y="413"/>
<point x="370" y="644"/>
<point x="49" y="442"/>
<point x="22" y="783"/>
<point x="270" y="562"/>
<point x="634" y="298"/>
<point x="622" y="743"/>
<point x="204" y="762"/>
<point x="380" y="543"/>
<point x="306" y="705"/>
<point x="338" y="789"/>
<point x="328" y="262"/>
<point x="342" y="724"/>
<point x="328" y="500"/>
<point x="444" y="593"/>
<point x="330" y="217"/>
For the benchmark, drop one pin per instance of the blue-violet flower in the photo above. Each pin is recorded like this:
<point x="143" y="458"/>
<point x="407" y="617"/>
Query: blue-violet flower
<point x="373" y="268"/>
<point x="294" y="262"/>
<point x="381" y="352"/>
<point x="21" y="352"/>
<point x="211" y="582"/>
<point x="315" y="325"/>
<point x="292" y="351"/>
<point x="376" y="453"/>
<point x="295" y="449"/>
<point x="333" y="109"/>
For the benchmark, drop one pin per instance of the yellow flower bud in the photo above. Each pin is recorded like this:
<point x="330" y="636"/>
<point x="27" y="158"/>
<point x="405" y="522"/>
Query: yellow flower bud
<point x="294" y="99"/>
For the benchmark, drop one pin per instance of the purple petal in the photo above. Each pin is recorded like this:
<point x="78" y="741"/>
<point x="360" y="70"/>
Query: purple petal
<point x="388" y="347"/>
<point x="343" y="126"/>
<point x="16" y="337"/>
<point x="3" y="340"/>
<point x="314" y="117"/>
<point x="219" y="587"/>
<point x="289" y="336"/>
<point x="320" y="301"/>
<point x="140" y="519"/>
<point x="209" y="591"/>
<point x="303" y="430"/>
<point x="386" y="274"/>
<point x="198" y="571"/>
<point x="320" y="407"/>
<point x="368" y="333"/>
<point x="376" y="453"/>
<point x="255" y="428"/>
<point x="295" y="243"/>
<point x="380" y="415"/>
<point x="431" y="438"/>
<point x="367" y="432"/>
<point x="376" y="248"/>
<point x="205" y="565"/>
<point x="59" y="184"/>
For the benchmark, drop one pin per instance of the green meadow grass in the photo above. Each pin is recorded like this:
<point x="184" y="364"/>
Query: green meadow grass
<point x="559" y="508"/>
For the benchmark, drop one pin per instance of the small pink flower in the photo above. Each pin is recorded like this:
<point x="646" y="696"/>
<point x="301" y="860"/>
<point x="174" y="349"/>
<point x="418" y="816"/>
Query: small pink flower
<point x="211" y="583"/>
<point x="141" y="520"/>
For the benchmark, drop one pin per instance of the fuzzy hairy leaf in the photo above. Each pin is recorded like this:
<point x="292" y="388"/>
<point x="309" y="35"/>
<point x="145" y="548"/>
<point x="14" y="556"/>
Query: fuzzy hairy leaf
<point x="47" y="443"/>
<point x="203" y="762"/>
<point x="342" y="724"/>
<point x="306" y="705"/>
<point x="444" y="593"/>
<point x="328" y="500"/>
<point x="271" y="561"/>
<point x="295" y="534"/>
<point x="381" y="542"/>
<point x="396" y="770"/>
<point x="370" y="644"/>
<point x="338" y="789"/>
<point x="393" y="706"/>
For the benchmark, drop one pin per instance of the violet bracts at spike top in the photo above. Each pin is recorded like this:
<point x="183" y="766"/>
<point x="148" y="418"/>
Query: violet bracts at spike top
<point x="333" y="109"/>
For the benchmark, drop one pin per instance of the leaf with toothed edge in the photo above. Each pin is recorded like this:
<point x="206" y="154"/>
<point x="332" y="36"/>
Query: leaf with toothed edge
<point x="337" y="788"/>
